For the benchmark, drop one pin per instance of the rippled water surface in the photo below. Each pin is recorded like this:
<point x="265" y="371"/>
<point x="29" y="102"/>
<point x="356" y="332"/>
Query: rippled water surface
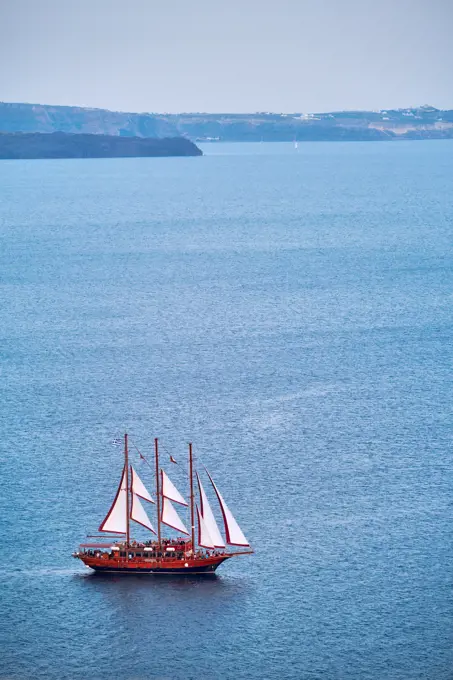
<point x="292" y="314"/>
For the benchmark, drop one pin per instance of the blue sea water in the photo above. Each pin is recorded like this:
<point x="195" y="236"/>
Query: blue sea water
<point x="289" y="312"/>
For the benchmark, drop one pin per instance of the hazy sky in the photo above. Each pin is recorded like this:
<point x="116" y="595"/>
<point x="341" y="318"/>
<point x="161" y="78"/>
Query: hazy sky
<point x="227" y="55"/>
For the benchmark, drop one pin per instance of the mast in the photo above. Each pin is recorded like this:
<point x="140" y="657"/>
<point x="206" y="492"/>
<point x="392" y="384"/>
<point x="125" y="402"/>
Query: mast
<point x="156" y="452"/>
<point x="126" y="467"/>
<point x="192" y="516"/>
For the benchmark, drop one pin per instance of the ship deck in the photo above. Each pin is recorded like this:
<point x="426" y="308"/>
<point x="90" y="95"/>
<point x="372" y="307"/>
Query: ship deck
<point x="153" y="565"/>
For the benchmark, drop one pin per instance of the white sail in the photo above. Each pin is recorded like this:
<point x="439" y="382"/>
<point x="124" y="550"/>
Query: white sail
<point x="208" y="517"/>
<point x="170" y="491"/>
<point x="170" y="517"/>
<point x="138" y="513"/>
<point x="138" y="488"/>
<point x="204" y="538"/>
<point x="233" y="531"/>
<point x="115" y="520"/>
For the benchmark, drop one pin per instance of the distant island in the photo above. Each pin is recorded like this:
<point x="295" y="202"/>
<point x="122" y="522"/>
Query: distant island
<point x="16" y="145"/>
<point x="424" y="122"/>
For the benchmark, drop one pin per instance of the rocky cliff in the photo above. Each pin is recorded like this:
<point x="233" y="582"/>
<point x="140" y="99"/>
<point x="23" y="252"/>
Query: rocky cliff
<point x="43" y="118"/>
<point x="425" y="122"/>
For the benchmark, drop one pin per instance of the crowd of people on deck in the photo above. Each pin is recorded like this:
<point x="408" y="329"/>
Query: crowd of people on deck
<point x="178" y="550"/>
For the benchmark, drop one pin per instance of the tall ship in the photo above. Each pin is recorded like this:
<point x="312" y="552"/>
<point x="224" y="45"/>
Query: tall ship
<point x="198" y="551"/>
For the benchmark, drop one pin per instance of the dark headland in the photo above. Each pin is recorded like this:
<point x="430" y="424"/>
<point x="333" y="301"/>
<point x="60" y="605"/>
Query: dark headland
<point x="17" y="145"/>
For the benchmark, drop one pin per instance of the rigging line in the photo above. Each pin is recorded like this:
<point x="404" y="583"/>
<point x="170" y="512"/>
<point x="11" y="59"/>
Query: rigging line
<point x="170" y="454"/>
<point x="141" y="454"/>
<point x="182" y="468"/>
<point x="161" y="446"/>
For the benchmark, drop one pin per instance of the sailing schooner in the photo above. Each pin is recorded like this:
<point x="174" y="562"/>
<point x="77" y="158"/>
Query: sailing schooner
<point x="161" y="555"/>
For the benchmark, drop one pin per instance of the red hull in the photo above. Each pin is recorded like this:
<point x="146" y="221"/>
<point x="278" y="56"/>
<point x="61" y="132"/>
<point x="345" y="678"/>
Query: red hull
<point x="205" y="565"/>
